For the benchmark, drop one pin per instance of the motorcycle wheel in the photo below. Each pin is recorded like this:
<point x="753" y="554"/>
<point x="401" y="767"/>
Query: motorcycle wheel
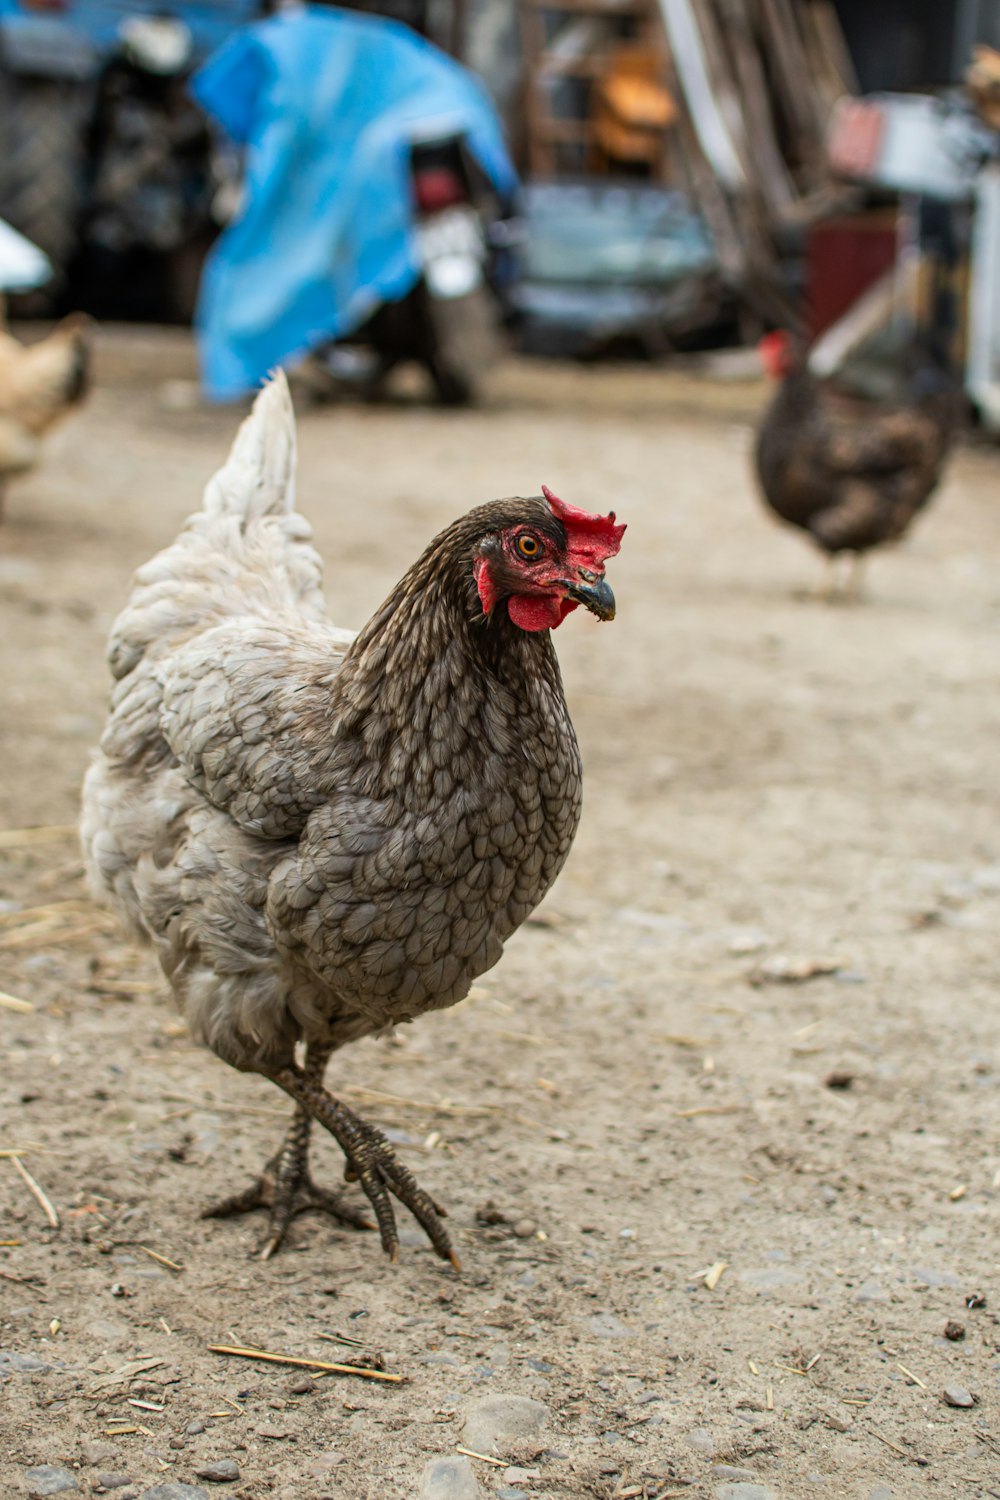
<point x="463" y="344"/>
<point x="41" y="166"/>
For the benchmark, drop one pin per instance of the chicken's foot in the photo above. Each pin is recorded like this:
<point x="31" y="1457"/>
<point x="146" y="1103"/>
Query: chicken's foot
<point x="285" y="1187"/>
<point x="843" y="582"/>
<point x="371" y="1160"/>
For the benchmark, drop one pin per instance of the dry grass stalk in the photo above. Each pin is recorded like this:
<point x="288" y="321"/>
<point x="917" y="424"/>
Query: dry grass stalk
<point x="17" y="838"/>
<point x="485" y="1458"/>
<point x="710" y="1109"/>
<point x="127" y="987"/>
<point x="910" y="1376"/>
<point x="161" y="1259"/>
<point x="36" y="1191"/>
<point x="48" y="933"/>
<point x="445" y="1107"/>
<point x="713" y="1275"/>
<point x="11" y="1002"/>
<point x="50" y="909"/>
<point x="890" y="1444"/>
<point x="308" y="1364"/>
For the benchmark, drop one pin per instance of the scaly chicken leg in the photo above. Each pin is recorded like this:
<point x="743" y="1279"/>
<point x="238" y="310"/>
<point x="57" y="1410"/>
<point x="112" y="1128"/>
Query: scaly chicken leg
<point x="285" y="1187"/>
<point x="371" y="1160"/>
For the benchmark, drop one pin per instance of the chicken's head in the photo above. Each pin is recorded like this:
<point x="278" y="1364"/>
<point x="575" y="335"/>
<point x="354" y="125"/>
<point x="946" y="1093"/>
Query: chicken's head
<point x="777" y="353"/>
<point x="540" y="568"/>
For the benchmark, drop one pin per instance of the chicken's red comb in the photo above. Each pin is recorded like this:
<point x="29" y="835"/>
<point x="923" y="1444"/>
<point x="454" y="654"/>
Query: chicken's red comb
<point x="597" y="536"/>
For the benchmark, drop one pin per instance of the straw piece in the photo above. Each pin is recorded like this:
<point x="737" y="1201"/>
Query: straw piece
<point x="36" y="1191"/>
<point x="308" y="1364"/>
<point x="11" y="1002"/>
<point x="15" y="838"/>
<point x="501" y="1463"/>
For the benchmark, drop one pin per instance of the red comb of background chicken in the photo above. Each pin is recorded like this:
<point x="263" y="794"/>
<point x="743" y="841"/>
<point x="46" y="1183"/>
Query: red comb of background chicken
<point x="596" y="537"/>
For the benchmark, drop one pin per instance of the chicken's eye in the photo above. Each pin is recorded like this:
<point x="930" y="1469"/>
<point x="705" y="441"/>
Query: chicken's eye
<point x="529" y="546"/>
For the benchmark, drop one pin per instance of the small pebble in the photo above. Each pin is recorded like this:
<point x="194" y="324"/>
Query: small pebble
<point x="954" y="1331"/>
<point x="195" y="1426"/>
<point x="222" y="1471"/>
<point x="839" y="1424"/>
<point x="494" y="1421"/>
<point x="274" y="1433"/>
<point x="702" y="1440"/>
<point x="324" y="1462"/>
<point x="523" y="1229"/>
<point x="302" y="1385"/>
<point x="98" y="1453"/>
<point x="957" y="1395"/>
<point x="490" y="1214"/>
<point x="47" y="1479"/>
<point x="113" y="1481"/>
<point x="449" y="1479"/>
<point x="731" y="1471"/>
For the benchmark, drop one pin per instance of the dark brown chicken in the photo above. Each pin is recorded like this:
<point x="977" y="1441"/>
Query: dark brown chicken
<point x="852" y="474"/>
<point x="325" y="835"/>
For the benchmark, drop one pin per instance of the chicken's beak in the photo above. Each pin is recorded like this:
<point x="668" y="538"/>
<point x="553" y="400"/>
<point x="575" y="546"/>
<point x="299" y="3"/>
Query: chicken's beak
<point x="593" y="593"/>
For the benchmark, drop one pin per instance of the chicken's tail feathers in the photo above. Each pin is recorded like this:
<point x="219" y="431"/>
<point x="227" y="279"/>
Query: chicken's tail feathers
<point x="258" y="477"/>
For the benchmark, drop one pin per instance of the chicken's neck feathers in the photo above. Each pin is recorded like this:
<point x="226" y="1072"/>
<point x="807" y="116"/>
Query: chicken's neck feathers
<point x="432" y="691"/>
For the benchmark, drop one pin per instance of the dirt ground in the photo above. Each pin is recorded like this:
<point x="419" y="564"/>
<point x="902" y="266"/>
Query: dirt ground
<point x="719" y="1137"/>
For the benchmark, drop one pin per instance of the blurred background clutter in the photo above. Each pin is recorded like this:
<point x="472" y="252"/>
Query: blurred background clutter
<point x="350" y="192"/>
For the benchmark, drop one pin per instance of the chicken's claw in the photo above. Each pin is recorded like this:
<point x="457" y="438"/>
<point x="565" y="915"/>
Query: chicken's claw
<point x="372" y="1161"/>
<point x="286" y="1189"/>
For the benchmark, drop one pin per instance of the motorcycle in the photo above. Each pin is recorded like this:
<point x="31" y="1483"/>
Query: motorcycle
<point x="450" y="321"/>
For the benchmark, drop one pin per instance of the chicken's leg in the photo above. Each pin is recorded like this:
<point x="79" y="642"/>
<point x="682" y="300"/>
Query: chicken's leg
<point x="371" y="1160"/>
<point x="285" y="1187"/>
<point x="856" y="580"/>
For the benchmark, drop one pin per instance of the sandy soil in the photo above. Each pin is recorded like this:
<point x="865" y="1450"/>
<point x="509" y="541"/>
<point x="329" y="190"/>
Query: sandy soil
<point x="754" y="1028"/>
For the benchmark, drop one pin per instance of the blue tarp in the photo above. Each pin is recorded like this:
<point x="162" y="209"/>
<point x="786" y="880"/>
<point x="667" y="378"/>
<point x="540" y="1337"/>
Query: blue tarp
<point x="327" y="103"/>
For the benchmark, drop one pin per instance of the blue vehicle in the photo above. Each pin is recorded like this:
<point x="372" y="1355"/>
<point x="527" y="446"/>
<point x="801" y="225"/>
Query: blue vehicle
<point x="105" y="162"/>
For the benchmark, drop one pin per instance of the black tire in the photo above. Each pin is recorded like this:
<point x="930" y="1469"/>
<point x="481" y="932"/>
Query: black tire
<point x="42" y="124"/>
<point x="464" y="344"/>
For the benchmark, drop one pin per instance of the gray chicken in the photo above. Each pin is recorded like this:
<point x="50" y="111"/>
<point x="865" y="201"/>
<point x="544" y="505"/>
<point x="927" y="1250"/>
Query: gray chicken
<point x="323" y="835"/>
